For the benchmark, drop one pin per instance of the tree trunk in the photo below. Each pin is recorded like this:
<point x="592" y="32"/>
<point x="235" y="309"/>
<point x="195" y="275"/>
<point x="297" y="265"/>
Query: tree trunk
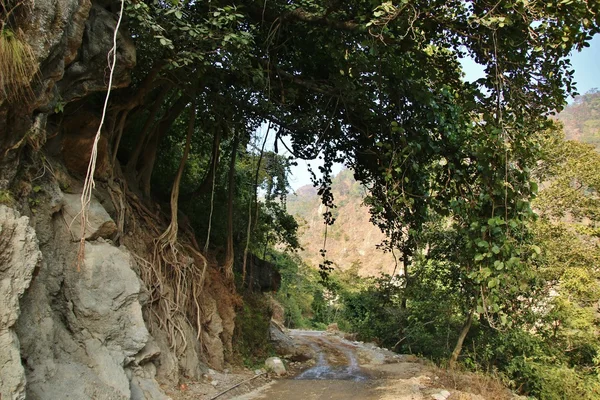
<point x="461" y="338"/>
<point x="146" y="129"/>
<point x="253" y="199"/>
<point x="171" y="232"/>
<point x="207" y="182"/>
<point x="406" y="260"/>
<point x="229" y="256"/>
<point x="151" y="148"/>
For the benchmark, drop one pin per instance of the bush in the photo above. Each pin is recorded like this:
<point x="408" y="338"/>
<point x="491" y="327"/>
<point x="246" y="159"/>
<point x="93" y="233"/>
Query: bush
<point x="552" y="382"/>
<point x="374" y="312"/>
<point x="251" y="335"/>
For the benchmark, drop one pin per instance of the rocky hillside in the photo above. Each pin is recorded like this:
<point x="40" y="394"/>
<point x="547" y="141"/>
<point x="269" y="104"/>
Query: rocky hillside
<point x="352" y="240"/>
<point x="581" y="119"/>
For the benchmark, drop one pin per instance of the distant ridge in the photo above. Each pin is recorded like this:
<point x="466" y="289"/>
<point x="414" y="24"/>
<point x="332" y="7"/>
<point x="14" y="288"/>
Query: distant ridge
<point x="581" y="119"/>
<point x="352" y="240"/>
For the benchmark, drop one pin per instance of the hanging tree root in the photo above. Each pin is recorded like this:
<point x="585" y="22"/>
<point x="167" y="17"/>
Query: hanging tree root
<point x="88" y="186"/>
<point x="174" y="277"/>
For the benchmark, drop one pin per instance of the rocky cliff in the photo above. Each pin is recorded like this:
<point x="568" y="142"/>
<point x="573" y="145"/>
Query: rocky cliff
<point x="119" y="325"/>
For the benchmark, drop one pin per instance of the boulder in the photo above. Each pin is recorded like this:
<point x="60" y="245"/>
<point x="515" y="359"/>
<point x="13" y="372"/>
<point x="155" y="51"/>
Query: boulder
<point x="104" y="298"/>
<point x="99" y="224"/>
<point x="261" y="275"/>
<point x="274" y="364"/>
<point x="285" y="345"/>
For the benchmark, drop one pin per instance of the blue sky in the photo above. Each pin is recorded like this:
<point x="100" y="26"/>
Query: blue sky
<point x="585" y="63"/>
<point x="587" y="75"/>
<point x="587" y="66"/>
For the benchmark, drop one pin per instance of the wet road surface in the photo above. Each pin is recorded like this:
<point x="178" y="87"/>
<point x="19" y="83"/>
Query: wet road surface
<point x="338" y="374"/>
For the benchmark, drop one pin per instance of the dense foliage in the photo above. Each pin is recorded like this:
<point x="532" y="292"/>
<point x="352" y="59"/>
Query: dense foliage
<point x="376" y="85"/>
<point x="547" y="344"/>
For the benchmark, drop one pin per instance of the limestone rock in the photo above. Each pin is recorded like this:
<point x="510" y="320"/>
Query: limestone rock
<point x="285" y="345"/>
<point x="19" y="256"/>
<point x="104" y="298"/>
<point x="107" y="365"/>
<point x="167" y="370"/>
<point x="150" y="352"/>
<point x="211" y="335"/>
<point x="80" y="345"/>
<point x="189" y="361"/>
<point x="275" y="365"/>
<point x="282" y="343"/>
<point x="81" y="77"/>
<point x="77" y="149"/>
<point x="100" y="224"/>
<point x="146" y="389"/>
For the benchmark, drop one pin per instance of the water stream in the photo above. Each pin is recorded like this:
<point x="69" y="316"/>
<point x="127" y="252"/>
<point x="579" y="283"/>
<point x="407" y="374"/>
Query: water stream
<point x="323" y="370"/>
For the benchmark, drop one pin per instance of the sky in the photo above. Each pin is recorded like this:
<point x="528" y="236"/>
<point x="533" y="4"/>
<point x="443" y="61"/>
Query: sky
<point x="587" y="75"/>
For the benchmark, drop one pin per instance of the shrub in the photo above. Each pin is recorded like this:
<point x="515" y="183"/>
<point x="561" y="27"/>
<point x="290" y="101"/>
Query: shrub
<point x="251" y="336"/>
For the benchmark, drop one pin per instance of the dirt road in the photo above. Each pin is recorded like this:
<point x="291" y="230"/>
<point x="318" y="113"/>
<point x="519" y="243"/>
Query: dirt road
<point x="332" y="368"/>
<point x="352" y="370"/>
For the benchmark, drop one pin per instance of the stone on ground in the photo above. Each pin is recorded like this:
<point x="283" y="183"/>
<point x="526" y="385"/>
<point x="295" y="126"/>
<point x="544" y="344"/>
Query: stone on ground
<point x="275" y="365"/>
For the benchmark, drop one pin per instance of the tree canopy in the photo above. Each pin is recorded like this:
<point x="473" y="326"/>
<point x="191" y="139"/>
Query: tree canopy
<point x="375" y="85"/>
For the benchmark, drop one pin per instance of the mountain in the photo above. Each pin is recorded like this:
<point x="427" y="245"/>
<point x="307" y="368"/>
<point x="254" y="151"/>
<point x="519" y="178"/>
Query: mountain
<point x="581" y="119"/>
<point x="352" y="240"/>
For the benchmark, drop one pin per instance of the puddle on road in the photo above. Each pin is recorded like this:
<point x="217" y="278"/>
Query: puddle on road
<point x="324" y="371"/>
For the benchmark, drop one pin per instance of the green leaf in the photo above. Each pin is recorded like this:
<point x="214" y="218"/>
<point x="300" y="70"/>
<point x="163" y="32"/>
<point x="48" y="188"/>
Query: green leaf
<point x="483" y="244"/>
<point x="533" y="186"/>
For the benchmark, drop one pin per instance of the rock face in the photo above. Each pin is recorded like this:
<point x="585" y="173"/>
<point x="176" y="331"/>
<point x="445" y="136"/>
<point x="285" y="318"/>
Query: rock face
<point x="82" y="334"/>
<point x="80" y="330"/>
<point x="261" y="275"/>
<point x="19" y="256"/>
<point x="81" y="76"/>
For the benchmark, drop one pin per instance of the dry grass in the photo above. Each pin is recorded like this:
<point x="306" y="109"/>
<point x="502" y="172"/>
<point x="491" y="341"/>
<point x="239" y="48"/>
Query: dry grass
<point x="489" y="387"/>
<point x="18" y="66"/>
